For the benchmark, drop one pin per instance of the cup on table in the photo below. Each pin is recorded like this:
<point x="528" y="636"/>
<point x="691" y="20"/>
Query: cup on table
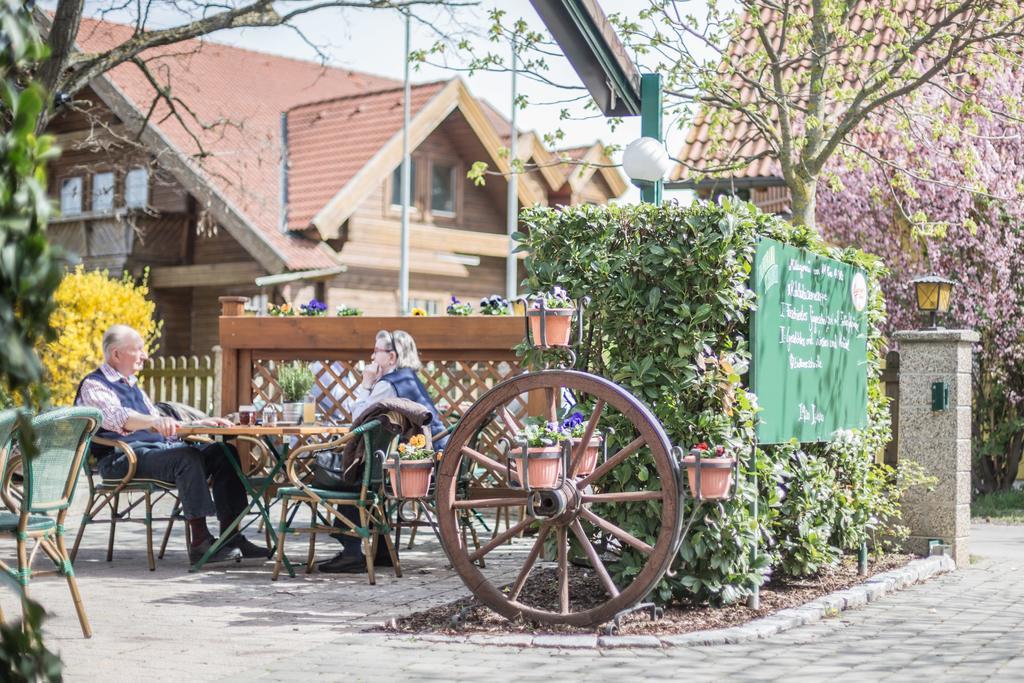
<point x="246" y="415"/>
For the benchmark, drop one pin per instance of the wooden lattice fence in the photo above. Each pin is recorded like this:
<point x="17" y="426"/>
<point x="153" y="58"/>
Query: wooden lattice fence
<point x="463" y="356"/>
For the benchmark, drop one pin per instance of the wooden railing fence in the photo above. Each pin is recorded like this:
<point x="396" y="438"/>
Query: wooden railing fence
<point x="192" y="380"/>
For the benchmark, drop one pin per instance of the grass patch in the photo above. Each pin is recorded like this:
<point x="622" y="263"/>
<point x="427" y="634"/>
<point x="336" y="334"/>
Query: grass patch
<point x="1006" y="507"/>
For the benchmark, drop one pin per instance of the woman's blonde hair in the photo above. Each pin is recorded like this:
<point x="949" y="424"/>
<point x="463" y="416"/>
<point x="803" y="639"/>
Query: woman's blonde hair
<point x="402" y="344"/>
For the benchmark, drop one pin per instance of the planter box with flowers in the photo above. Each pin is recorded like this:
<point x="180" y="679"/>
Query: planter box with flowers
<point x="711" y="472"/>
<point x="411" y="469"/>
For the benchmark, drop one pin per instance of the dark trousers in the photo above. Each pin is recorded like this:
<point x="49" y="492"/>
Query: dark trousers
<point x="188" y="466"/>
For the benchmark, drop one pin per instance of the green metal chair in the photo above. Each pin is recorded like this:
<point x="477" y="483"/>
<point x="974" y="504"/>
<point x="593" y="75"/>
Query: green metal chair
<point x="106" y="505"/>
<point x="367" y="518"/>
<point x="105" y="502"/>
<point x="48" y="484"/>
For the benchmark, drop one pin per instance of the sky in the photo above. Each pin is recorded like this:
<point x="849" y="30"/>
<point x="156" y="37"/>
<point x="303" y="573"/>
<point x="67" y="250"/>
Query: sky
<point x="372" y="41"/>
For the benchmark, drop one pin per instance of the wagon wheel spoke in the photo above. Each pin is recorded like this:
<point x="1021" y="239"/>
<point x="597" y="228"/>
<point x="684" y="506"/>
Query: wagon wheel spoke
<point x="563" y="571"/>
<point x="621" y="534"/>
<point x="511" y="422"/>
<point x="613" y="462"/>
<point x="552" y="397"/>
<point x="493" y="466"/>
<point x="622" y="497"/>
<point x="501" y="538"/>
<point x="588" y="433"/>
<point x="595" y="561"/>
<point x="531" y="560"/>
<point x="496" y="502"/>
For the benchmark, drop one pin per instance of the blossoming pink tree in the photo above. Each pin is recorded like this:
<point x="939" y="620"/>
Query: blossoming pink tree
<point x="963" y="218"/>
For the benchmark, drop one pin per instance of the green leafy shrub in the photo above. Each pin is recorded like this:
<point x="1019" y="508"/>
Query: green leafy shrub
<point x="668" y="320"/>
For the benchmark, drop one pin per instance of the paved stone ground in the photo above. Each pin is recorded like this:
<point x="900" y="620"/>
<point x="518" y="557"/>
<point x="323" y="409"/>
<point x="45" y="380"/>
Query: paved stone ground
<point x="237" y="625"/>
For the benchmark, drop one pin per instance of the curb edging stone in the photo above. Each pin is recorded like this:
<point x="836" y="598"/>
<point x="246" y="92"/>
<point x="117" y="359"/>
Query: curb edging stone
<point x="826" y="606"/>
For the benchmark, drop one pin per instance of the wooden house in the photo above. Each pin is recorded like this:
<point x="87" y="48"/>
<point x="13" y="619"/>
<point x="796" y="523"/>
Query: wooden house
<point x="260" y="165"/>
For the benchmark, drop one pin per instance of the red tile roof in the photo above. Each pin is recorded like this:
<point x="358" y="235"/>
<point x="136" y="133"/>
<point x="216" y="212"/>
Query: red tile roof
<point x="237" y="96"/>
<point x="330" y="141"/>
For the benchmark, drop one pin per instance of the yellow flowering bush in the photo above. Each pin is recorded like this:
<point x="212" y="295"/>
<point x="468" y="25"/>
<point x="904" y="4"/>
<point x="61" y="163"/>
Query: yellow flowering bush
<point x="87" y="304"/>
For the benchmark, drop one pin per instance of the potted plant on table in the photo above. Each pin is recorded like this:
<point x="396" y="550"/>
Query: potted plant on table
<point x="539" y="455"/>
<point x="550" y="317"/>
<point x="709" y="471"/>
<point x="295" y="380"/>
<point x="576" y="425"/>
<point x="412" y="468"/>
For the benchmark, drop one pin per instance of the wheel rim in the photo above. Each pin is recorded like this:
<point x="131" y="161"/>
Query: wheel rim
<point x="646" y="441"/>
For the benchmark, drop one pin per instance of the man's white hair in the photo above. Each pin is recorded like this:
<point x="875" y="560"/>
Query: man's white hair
<point x="117" y="336"/>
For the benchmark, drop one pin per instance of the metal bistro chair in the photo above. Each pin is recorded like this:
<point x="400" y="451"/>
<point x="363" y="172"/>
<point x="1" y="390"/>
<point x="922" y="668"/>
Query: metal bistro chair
<point x="105" y="496"/>
<point x="369" y="522"/>
<point x="48" y="484"/>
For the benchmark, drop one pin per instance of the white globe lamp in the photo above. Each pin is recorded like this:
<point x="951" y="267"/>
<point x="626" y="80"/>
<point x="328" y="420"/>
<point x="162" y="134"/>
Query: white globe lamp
<point x="646" y="160"/>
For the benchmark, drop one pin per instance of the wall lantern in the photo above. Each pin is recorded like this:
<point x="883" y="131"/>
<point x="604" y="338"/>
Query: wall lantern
<point x="933" y="296"/>
<point x="645" y="160"/>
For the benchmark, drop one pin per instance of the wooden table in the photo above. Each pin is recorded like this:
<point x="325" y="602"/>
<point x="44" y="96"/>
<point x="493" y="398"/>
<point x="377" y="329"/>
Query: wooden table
<point x="268" y="435"/>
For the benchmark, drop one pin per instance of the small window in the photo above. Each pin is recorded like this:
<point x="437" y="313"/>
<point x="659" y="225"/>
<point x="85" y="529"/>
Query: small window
<point x="71" y="196"/>
<point x="442" y="189"/>
<point x="396" y="185"/>
<point x="428" y="305"/>
<point x="136" y="188"/>
<point x="257" y="304"/>
<point x="102" y="191"/>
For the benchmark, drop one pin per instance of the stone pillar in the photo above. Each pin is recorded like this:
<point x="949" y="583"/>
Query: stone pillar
<point x="939" y="440"/>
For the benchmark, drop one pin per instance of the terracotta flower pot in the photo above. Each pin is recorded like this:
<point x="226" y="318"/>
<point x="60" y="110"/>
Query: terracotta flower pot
<point x="557" y="326"/>
<point x="588" y="463"/>
<point x="715" y="477"/>
<point x="543" y="472"/>
<point x="415" y="478"/>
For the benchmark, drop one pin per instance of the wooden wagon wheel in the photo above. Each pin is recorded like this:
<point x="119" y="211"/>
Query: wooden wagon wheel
<point x="639" y="442"/>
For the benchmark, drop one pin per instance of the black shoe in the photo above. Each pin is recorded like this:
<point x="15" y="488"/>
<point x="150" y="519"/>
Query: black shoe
<point x="340" y="564"/>
<point x="249" y="549"/>
<point x="382" y="558"/>
<point x="336" y="558"/>
<point x="225" y="554"/>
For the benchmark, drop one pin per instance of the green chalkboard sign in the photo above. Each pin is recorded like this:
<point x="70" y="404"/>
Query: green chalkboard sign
<point x="809" y="344"/>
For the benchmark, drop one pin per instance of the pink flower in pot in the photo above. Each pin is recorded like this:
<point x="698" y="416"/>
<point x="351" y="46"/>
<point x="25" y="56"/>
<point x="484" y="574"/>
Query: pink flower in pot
<point x="709" y="472"/>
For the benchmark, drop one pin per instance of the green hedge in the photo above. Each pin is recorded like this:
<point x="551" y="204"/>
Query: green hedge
<point x="668" y="320"/>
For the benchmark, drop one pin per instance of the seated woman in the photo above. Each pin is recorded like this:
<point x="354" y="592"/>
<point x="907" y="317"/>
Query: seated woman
<point x="390" y="374"/>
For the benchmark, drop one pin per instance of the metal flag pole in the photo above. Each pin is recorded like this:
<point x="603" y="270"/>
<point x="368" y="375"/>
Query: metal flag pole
<point x="403" y="248"/>
<point x="512" y="218"/>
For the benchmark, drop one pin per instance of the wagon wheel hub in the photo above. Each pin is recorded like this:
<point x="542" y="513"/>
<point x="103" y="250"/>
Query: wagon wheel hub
<point x="561" y="505"/>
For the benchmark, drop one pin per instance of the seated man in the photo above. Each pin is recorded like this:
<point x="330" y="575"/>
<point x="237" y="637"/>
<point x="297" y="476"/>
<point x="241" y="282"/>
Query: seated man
<point x="129" y="415"/>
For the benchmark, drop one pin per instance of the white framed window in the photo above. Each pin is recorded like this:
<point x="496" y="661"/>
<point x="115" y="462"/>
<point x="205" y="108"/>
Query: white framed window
<point x="257" y="304"/>
<point x="396" y="185"/>
<point x="71" y="195"/>
<point x="428" y="305"/>
<point x="136" y="188"/>
<point x="442" y="189"/>
<point x="102" y="191"/>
